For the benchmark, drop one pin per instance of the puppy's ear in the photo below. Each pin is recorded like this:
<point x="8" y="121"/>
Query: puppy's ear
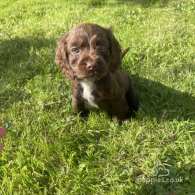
<point x="124" y="52"/>
<point x="61" y="57"/>
<point x="115" y="51"/>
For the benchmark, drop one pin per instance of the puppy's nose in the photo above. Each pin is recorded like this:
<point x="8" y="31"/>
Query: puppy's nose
<point x="91" y="66"/>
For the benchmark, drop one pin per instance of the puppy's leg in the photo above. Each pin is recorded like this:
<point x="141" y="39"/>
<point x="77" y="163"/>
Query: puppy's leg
<point x="120" y="108"/>
<point x="132" y="99"/>
<point x="77" y="100"/>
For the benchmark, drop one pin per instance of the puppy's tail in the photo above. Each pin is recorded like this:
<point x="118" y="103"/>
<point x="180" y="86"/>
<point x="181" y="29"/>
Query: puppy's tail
<point x="124" y="53"/>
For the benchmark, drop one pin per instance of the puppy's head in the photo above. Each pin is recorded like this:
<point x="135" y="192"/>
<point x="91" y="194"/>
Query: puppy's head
<point x="88" y="51"/>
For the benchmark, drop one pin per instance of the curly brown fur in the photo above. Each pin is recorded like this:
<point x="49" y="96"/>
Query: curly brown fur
<point x="90" y="57"/>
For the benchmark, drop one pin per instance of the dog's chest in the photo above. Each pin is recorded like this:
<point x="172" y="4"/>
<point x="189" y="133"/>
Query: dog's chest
<point x="88" y="96"/>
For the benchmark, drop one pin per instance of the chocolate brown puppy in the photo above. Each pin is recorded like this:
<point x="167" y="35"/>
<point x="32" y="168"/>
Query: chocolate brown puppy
<point x="90" y="57"/>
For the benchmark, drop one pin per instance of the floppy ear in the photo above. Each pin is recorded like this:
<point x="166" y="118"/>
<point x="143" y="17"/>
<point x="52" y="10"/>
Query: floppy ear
<point x="124" y="52"/>
<point x="115" y="51"/>
<point x="61" y="57"/>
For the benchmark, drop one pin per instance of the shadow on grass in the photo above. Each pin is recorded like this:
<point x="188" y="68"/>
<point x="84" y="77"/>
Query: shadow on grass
<point x="21" y="56"/>
<point x="162" y="102"/>
<point x="21" y="60"/>
<point x="143" y="3"/>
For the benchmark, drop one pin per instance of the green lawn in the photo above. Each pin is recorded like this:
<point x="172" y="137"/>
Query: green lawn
<point x="49" y="149"/>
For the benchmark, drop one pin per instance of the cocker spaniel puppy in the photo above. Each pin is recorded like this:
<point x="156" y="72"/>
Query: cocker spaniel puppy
<point x="90" y="57"/>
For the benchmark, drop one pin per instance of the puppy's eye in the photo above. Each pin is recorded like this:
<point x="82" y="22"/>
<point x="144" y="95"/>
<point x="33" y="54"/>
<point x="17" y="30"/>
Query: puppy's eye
<point x="75" y="50"/>
<point x="100" y="47"/>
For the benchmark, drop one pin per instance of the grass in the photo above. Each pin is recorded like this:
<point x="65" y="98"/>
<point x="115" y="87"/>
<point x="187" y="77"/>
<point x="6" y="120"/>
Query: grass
<point x="49" y="149"/>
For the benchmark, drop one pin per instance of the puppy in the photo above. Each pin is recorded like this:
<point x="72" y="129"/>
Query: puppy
<point x="90" y="57"/>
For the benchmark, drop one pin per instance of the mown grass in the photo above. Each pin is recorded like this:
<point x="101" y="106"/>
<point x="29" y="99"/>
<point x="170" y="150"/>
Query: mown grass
<point x="51" y="150"/>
